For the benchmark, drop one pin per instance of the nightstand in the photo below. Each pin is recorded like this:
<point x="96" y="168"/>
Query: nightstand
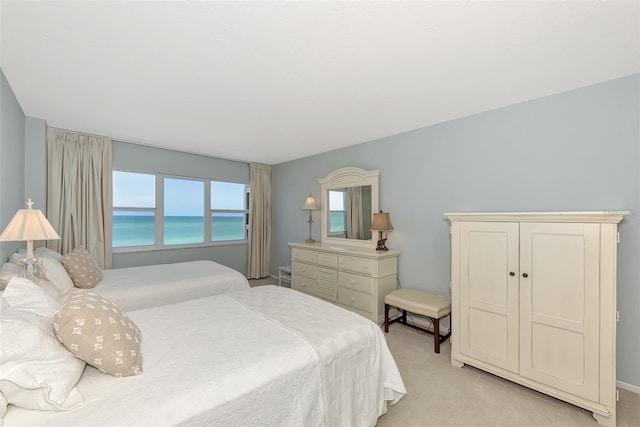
<point x="284" y="274"/>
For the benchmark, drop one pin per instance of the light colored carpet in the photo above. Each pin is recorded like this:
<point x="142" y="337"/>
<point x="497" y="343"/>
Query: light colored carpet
<point x="440" y="395"/>
<point x="266" y="281"/>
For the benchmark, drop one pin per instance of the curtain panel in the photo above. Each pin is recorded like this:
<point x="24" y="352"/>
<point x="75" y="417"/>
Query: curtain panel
<point x="355" y="221"/>
<point x="258" y="257"/>
<point x="79" y="192"/>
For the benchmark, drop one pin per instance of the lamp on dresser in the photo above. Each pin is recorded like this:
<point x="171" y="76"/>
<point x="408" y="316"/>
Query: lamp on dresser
<point x="381" y="222"/>
<point x="28" y="225"/>
<point x="310" y="205"/>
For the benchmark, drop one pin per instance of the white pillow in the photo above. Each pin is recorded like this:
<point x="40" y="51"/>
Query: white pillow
<point x="7" y="272"/>
<point x="54" y="271"/>
<point x="36" y="370"/>
<point x="48" y="253"/>
<point x="3" y="407"/>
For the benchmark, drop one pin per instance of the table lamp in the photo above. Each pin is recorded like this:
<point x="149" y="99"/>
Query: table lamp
<point x="381" y="222"/>
<point x="28" y="225"/>
<point x="310" y="205"/>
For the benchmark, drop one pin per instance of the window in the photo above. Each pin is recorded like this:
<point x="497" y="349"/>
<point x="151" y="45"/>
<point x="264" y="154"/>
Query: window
<point x="178" y="215"/>
<point x="337" y="212"/>
<point x="229" y="213"/>
<point x="183" y="211"/>
<point x="134" y="208"/>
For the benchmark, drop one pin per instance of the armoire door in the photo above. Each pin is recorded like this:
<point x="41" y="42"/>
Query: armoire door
<point x="489" y="292"/>
<point x="559" y="306"/>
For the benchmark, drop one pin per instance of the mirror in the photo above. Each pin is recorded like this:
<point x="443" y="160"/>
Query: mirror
<point x="349" y="199"/>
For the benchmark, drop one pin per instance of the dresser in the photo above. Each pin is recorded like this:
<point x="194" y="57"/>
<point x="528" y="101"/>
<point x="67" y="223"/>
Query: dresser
<point x="534" y="301"/>
<point x="354" y="278"/>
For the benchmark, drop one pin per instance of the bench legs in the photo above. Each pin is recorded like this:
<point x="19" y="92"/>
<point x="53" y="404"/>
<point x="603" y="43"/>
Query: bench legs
<point x="437" y="338"/>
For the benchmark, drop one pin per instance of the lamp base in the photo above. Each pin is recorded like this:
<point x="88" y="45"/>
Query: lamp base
<point x="309" y="240"/>
<point x="382" y="245"/>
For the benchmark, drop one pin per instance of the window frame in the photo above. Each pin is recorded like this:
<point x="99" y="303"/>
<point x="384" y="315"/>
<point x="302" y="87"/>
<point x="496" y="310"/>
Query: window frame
<point x="159" y="216"/>
<point x="244" y="212"/>
<point x="341" y="233"/>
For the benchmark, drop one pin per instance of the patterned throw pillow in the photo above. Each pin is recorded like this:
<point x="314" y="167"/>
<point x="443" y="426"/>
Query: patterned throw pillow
<point x="96" y="331"/>
<point x="82" y="269"/>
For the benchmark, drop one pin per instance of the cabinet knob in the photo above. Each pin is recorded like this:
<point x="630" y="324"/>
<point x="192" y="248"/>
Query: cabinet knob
<point x="512" y="274"/>
<point x="525" y="275"/>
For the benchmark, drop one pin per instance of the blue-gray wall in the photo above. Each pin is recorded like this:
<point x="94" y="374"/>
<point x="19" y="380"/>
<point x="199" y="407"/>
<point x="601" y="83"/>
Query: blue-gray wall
<point x="35" y="172"/>
<point x="577" y="150"/>
<point x="143" y="159"/>
<point x="12" y="157"/>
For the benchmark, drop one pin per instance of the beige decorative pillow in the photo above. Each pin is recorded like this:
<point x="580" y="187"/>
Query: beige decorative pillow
<point x="82" y="269"/>
<point x="98" y="332"/>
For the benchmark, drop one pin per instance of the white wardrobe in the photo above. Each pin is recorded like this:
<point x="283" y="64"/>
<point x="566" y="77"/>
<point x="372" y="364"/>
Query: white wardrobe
<point x="534" y="301"/>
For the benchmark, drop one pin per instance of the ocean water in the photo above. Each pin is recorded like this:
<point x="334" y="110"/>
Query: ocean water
<point x="139" y="230"/>
<point x="337" y="221"/>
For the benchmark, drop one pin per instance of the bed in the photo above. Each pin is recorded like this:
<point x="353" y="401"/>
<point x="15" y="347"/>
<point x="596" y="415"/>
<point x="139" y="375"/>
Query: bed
<point x="136" y="288"/>
<point x="261" y="356"/>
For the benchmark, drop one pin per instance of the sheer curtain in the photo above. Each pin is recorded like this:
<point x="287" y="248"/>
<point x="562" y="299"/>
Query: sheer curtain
<point x="355" y="222"/>
<point x="258" y="257"/>
<point x="79" y="193"/>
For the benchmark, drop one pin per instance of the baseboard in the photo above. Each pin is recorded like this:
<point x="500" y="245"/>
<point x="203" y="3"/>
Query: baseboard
<point x="628" y="387"/>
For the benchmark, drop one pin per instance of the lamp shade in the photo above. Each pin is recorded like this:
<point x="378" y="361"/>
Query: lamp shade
<point x="381" y="222"/>
<point x="310" y="204"/>
<point x="28" y="224"/>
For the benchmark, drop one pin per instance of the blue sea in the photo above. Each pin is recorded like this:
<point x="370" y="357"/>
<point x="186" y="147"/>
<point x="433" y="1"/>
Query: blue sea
<point x="337" y="221"/>
<point x="139" y="230"/>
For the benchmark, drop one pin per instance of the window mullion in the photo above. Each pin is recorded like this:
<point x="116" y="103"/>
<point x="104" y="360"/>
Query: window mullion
<point x="160" y="210"/>
<point x="207" y="211"/>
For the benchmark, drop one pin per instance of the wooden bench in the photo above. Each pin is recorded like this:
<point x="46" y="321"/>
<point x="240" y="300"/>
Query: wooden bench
<point x="432" y="306"/>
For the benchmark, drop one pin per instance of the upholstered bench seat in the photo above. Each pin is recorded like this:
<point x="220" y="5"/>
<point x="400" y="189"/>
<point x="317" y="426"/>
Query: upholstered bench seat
<point x="423" y="303"/>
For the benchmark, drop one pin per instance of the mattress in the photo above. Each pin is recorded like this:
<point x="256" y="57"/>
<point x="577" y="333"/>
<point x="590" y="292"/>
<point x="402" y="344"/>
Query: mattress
<point x="263" y="356"/>
<point x="136" y="288"/>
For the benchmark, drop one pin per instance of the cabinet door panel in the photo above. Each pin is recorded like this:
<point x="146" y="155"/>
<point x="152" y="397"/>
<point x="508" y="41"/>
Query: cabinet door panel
<point x="328" y="284"/>
<point x="488" y="293"/>
<point x="559" y="308"/>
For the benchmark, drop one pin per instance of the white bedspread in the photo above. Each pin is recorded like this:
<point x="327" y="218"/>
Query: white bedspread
<point x="264" y="356"/>
<point x="136" y="288"/>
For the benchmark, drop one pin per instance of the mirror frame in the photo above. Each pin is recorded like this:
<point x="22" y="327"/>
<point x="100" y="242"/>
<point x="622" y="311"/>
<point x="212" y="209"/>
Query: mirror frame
<point x="342" y="178"/>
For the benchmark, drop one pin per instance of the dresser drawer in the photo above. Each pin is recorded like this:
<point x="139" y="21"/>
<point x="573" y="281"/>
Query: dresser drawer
<point x="306" y="270"/>
<point x="304" y="284"/>
<point x="359" y="265"/>
<point x="304" y="256"/>
<point x="355" y="282"/>
<point x="327" y="260"/>
<point x="355" y="299"/>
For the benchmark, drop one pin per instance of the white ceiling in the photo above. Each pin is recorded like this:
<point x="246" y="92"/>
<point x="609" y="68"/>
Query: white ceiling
<point x="271" y="81"/>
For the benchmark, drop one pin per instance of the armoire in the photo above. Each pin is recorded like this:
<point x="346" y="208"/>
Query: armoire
<point x="534" y="301"/>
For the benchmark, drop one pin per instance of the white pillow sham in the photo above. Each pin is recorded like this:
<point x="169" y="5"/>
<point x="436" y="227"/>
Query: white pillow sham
<point x="53" y="270"/>
<point x="7" y="272"/>
<point x="49" y="253"/>
<point x="36" y="370"/>
<point x="3" y="407"/>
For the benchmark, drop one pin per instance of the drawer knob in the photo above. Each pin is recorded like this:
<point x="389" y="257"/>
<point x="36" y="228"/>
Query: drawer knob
<point x="353" y="299"/>
<point x="352" y="282"/>
<point x="366" y="267"/>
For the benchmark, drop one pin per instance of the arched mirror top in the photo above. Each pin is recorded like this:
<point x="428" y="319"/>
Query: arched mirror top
<point x="349" y="198"/>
